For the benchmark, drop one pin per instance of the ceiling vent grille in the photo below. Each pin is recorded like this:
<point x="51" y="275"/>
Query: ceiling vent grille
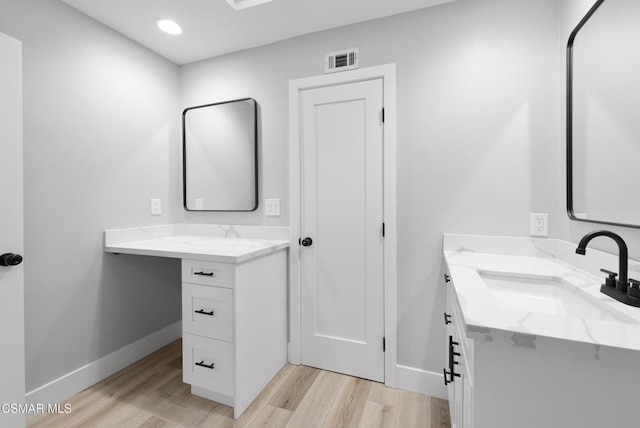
<point x="341" y="60"/>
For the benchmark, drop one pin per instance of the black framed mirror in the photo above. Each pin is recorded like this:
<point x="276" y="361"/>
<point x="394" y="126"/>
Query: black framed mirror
<point x="220" y="156"/>
<point x="603" y="115"/>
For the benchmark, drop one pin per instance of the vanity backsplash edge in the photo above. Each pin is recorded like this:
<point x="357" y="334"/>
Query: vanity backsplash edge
<point x="592" y="262"/>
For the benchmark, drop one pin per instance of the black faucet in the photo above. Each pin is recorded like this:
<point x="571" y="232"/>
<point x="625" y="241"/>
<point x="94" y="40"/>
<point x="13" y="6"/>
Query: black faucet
<point x="618" y="289"/>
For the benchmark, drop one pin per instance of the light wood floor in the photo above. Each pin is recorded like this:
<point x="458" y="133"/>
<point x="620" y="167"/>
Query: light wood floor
<point x="150" y="393"/>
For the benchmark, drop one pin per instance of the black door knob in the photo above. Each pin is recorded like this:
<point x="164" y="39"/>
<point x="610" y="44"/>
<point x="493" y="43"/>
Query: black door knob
<point x="10" y="259"/>
<point x="307" y="242"/>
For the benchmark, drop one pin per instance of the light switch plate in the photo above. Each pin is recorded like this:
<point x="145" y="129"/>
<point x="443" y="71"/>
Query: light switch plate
<point x="272" y="207"/>
<point x="156" y="207"/>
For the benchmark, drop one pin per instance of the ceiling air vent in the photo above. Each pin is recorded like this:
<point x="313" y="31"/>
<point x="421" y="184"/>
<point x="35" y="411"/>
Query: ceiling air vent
<point x="341" y="60"/>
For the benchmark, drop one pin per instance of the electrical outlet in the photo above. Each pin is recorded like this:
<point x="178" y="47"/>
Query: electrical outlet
<point x="539" y="224"/>
<point x="156" y="207"/>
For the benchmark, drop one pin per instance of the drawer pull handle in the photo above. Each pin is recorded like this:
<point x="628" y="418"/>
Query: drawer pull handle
<point x="446" y="375"/>
<point x="454" y="375"/>
<point x="447" y="319"/>
<point x="206" y="366"/>
<point x="203" y="312"/>
<point x="204" y="273"/>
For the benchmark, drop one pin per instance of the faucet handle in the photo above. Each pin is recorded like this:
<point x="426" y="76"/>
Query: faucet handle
<point x="634" y="290"/>
<point x="611" y="280"/>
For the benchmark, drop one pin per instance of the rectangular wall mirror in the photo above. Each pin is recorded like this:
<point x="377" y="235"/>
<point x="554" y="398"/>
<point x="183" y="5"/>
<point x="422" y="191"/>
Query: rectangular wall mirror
<point x="603" y="124"/>
<point x="220" y="156"/>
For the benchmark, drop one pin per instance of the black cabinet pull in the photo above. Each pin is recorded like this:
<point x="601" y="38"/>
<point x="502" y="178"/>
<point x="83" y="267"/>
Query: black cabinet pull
<point x="203" y="312"/>
<point x="452" y="343"/>
<point x="447" y="278"/>
<point x="203" y="273"/>
<point x="445" y="373"/>
<point x="452" y="361"/>
<point x="454" y="375"/>
<point x="447" y="321"/>
<point x="206" y="366"/>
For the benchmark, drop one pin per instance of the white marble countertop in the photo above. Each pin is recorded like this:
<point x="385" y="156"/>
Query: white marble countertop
<point x="228" y="244"/>
<point x="467" y="256"/>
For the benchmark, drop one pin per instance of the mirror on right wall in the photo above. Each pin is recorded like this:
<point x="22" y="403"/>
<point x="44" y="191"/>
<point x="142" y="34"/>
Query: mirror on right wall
<point x="603" y="115"/>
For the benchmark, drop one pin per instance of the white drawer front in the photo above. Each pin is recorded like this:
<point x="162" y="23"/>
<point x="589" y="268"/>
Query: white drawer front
<point x="207" y="363"/>
<point x="207" y="311"/>
<point x="207" y="273"/>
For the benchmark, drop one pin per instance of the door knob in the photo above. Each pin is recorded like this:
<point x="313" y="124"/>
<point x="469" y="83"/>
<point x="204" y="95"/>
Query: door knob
<point x="10" y="259"/>
<point x="307" y="242"/>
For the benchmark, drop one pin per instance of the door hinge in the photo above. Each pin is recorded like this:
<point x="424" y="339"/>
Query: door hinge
<point x="384" y="345"/>
<point x="382" y="114"/>
<point x="383" y="231"/>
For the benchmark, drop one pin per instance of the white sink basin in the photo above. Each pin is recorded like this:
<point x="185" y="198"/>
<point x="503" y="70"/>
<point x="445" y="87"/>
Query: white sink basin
<point x="547" y="296"/>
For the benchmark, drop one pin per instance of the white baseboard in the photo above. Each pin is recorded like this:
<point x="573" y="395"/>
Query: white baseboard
<point x="80" y="379"/>
<point x="422" y="381"/>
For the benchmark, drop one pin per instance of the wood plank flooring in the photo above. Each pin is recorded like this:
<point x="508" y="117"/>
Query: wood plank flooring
<point x="150" y="394"/>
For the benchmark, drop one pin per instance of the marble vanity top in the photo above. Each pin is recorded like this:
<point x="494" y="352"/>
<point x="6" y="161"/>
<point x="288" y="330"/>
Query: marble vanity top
<point x="229" y="244"/>
<point x="468" y="257"/>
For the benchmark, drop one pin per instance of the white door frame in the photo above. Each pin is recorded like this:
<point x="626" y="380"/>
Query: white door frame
<point x="12" y="355"/>
<point x="387" y="73"/>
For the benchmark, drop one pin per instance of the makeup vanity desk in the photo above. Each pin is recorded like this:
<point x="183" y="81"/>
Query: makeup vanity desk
<point x="234" y="302"/>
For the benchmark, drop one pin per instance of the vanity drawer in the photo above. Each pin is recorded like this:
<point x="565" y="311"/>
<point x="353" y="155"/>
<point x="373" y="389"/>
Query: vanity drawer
<point x="207" y="311"/>
<point x="207" y="363"/>
<point x="207" y="273"/>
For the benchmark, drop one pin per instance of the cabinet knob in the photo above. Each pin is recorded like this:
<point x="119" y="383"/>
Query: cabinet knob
<point x="306" y="242"/>
<point x="447" y="278"/>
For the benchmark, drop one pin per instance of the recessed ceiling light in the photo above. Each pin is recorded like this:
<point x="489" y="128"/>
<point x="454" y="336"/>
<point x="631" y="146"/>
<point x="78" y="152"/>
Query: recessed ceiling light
<point x="244" y="4"/>
<point x="168" y="26"/>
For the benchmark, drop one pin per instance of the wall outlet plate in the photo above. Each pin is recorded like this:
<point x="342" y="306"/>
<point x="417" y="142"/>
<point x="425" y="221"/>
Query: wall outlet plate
<point x="539" y="224"/>
<point x="156" y="207"/>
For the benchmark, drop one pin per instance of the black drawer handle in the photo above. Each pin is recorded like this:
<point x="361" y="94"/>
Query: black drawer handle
<point x="447" y="278"/>
<point x="454" y="375"/>
<point x="446" y="375"/>
<point x="203" y="273"/>
<point x="206" y="366"/>
<point x="447" y="319"/>
<point x="203" y="312"/>
<point x="451" y="342"/>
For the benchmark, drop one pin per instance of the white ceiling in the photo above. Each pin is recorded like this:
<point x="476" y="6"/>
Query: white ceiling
<point x="212" y="27"/>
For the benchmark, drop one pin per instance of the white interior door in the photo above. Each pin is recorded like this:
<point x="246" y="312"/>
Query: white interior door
<point x="12" y="382"/>
<point x="342" y="271"/>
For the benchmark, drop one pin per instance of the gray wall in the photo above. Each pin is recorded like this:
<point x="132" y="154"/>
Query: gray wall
<point x="478" y="132"/>
<point x="100" y="113"/>
<point x="480" y="146"/>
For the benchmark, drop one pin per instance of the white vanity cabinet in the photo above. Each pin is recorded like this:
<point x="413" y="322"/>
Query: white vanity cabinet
<point x="234" y="320"/>
<point x="458" y="374"/>
<point x="234" y="302"/>
<point x="520" y="364"/>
